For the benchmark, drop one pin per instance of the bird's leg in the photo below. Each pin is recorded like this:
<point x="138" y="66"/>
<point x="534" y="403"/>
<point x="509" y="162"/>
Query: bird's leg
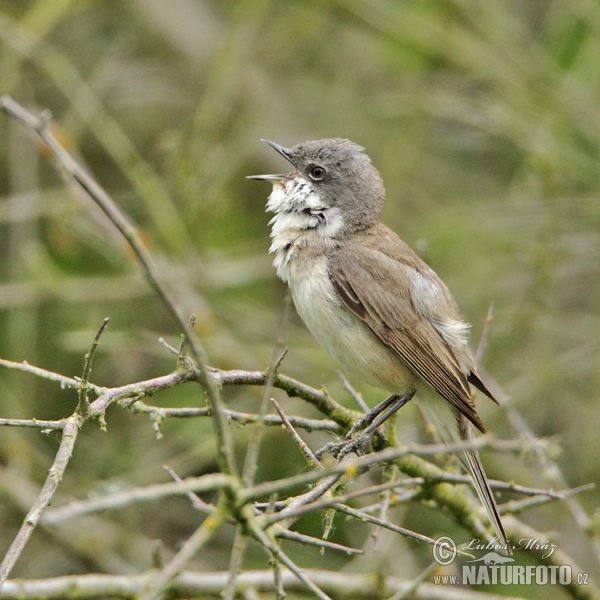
<point x="366" y="426"/>
<point x="379" y="414"/>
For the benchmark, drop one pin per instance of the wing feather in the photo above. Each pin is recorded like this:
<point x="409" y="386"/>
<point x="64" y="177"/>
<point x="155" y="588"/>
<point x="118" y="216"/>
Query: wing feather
<point x="376" y="288"/>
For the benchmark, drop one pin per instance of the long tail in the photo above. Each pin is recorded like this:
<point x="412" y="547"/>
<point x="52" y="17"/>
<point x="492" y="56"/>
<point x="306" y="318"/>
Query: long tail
<point x="471" y="462"/>
<point x="453" y="427"/>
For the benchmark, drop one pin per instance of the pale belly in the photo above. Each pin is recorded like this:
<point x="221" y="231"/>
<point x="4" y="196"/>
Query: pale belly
<point x="344" y="335"/>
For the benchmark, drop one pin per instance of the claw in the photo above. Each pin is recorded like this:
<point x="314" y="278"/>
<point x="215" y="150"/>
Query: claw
<point x="358" y="439"/>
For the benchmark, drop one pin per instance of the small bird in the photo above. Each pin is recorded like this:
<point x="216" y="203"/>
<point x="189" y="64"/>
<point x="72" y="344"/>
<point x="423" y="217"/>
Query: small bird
<point x="371" y="302"/>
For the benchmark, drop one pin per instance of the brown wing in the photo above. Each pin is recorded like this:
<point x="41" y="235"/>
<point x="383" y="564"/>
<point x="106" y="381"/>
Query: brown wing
<point x="475" y="379"/>
<point x="377" y="289"/>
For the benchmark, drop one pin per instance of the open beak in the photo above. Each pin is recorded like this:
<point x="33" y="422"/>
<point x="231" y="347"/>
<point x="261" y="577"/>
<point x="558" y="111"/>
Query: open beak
<point x="283" y="151"/>
<point x="275" y="178"/>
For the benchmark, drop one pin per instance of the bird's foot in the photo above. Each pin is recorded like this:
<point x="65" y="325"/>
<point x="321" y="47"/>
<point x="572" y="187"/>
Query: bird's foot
<point x="359" y="438"/>
<point x="359" y="443"/>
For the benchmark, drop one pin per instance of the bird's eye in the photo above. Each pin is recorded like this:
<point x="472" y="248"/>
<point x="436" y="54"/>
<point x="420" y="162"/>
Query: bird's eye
<point x="316" y="172"/>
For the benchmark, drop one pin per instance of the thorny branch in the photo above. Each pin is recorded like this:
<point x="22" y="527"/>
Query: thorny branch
<point x="210" y="585"/>
<point x="427" y="484"/>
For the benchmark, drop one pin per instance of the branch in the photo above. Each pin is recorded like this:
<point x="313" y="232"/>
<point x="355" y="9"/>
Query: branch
<point x="213" y="481"/>
<point x="188" y="584"/>
<point x="191" y="546"/>
<point x="243" y="418"/>
<point x="61" y="460"/>
<point x="35" y="423"/>
<point x="65" y="382"/>
<point x="318" y="398"/>
<point x="83" y="405"/>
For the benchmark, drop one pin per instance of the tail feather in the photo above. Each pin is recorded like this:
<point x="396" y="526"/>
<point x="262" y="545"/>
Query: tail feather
<point x="470" y="460"/>
<point x="454" y="427"/>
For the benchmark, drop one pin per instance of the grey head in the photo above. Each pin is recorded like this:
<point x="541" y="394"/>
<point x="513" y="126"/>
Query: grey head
<point x="333" y="188"/>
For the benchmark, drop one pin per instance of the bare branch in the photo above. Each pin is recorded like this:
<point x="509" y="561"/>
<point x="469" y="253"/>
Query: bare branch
<point x="55" y="474"/>
<point x="313" y="541"/>
<point x="192" y="545"/>
<point x="319" y="398"/>
<point x="251" y="461"/>
<point x="213" y="481"/>
<point x="514" y="507"/>
<point x="235" y="561"/>
<point x="35" y="423"/>
<point x="313" y="461"/>
<point x="65" y="382"/>
<point x="264" y="539"/>
<point x="83" y="405"/>
<point x="484" y="335"/>
<point x="196" y="501"/>
<point x="188" y="584"/>
<point x="362" y="516"/>
<point x="356" y="465"/>
<point x="355" y="395"/>
<point x="242" y="418"/>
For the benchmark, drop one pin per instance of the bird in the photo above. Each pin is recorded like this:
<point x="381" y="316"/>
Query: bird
<point x="375" y="306"/>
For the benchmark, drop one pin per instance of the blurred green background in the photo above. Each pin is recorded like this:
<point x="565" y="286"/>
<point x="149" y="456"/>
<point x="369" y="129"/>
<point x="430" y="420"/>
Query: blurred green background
<point x="484" y="120"/>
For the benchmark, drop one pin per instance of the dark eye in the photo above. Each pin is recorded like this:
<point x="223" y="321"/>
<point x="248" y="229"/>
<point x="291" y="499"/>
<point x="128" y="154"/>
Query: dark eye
<point x="317" y="172"/>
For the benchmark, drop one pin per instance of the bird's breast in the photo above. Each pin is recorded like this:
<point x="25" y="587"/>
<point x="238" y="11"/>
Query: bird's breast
<point x="341" y="333"/>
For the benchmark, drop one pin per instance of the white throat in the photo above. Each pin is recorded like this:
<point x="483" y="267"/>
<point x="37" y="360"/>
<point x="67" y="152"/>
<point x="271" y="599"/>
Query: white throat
<point x="298" y="211"/>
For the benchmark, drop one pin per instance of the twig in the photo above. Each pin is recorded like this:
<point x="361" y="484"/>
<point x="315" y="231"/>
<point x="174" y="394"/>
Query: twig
<point x="313" y="541"/>
<point x="318" y="398"/>
<point x="513" y="487"/>
<point x="241" y="417"/>
<point x="312" y="459"/>
<point x="390" y="474"/>
<point x="355" y="466"/>
<point x="204" y="507"/>
<point x="335" y="502"/>
<point x="142" y="388"/>
<point x="278" y="579"/>
<point x="251" y="462"/>
<point x="189" y="549"/>
<point x="292" y="387"/>
<point x="355" y="395"/>
<point x="65" y="382"/>
<point x="409" y="591"/>
<point x="264" y="539"/>
<point x="517" y="530"/>
<point x="250" y="594"/>
<point x="362" y="516"/>
<point x="484" y="335"/>
<point x="213" y="481"/>
<point x="397" y="498"/>
<point x="196" y="501"/>
<point x="39" y="126"/>
<point x="235" y="561"/>
<point x="168" y="346"/>
<point x="36" y="423"/>
<point x="55" y="474"/>
<point x="83" y="406"/>
<point x="552" y="471"/>
<point x="514" y="507"/>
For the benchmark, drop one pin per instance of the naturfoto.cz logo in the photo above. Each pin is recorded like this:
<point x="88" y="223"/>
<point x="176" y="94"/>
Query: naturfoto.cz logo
<point x="494" y="568"/>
